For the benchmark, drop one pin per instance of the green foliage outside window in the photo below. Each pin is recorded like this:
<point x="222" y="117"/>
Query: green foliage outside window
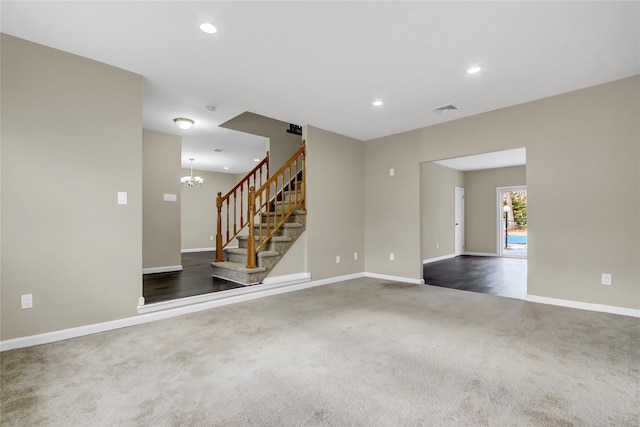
<point x="517" y="201"/>
<point x="519" y="206"/>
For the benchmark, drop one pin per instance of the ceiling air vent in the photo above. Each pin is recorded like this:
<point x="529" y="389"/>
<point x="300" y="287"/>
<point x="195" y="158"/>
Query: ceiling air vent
<point x="218" y="150"/>
<point x="447" y="108"/>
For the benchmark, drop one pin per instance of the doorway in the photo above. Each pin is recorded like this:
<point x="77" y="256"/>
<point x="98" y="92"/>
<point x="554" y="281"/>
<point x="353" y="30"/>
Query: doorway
<point x="512" y="221"/>
<point x="459" y="221"/>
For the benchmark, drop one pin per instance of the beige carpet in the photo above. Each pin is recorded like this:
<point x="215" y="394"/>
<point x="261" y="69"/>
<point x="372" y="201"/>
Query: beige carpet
<point x="359" y="353"/>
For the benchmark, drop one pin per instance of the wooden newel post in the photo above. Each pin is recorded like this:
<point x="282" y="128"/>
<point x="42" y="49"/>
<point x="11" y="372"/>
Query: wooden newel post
<point x="219" y="228"/>
<point x="251" y="241"/>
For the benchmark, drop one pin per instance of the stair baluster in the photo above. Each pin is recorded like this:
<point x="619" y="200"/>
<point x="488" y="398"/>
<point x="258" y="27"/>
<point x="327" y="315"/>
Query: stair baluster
<point x="233" y="226"/>
<point x="275" y="219"/>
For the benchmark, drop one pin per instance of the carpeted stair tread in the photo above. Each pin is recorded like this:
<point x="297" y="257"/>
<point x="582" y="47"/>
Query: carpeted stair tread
<point x="243" y="251"/>
<point x="273" y="239"/>
<point x="285" y="225"/>
<point x="235" y="266"/>
<point x="295" y="212"/>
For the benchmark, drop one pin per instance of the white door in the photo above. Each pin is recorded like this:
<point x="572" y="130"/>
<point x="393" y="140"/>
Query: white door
<point x="459" y="221"/>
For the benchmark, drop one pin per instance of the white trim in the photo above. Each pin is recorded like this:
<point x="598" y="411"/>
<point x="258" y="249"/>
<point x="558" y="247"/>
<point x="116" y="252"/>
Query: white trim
<point x="257" y="291"/>
<point x="479" y="254"/>
<point x="186" y="251"/>
<point x="166" y="269"/>
<point x="198" y="299"/>
<point x="288" y="279"/>
<point x="166" y="310"/>
<point x="394" y="278"/>
<point x="228" y="279"/>
<point x="585" y="306"/>
<point x="439" y="258"/>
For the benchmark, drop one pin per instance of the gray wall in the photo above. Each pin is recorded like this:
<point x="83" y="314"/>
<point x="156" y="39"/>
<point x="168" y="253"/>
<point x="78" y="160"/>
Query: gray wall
<point x="335" y="201"/>
<point x="437" y="195"/>
<point x="294" y="261"/>
<point x="480" y="205"/>
<point x="73" y="127"/>
<point x="282" y="145"/>
<point x="572" y="143"/>
<point x="160" y="219"/>
<point x="199" y="213"/>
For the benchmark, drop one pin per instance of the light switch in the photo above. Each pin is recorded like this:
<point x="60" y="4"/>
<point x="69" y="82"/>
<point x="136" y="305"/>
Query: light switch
<point x="170" y="197"/>
<point x="122" y="197"/>
<point x="392" y="172"/>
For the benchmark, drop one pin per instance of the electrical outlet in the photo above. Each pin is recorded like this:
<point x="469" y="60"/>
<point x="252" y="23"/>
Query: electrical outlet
<point x="210" y="237"/>
<point x="337" y="259"/>
<point x="26" y="301"/>
<point x="392" y="256"/>
<point x="606" y="279"/>
<point x="392" y="172"/>
<point x="355" y="256"/>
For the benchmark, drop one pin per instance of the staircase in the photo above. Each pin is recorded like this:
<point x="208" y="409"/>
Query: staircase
<point x="234" y="267"/>
<point x="273" y="223"/>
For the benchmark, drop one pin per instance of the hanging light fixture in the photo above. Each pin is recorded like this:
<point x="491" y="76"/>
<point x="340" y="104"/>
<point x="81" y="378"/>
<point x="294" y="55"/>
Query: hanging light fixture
<point x="191" y="181"/>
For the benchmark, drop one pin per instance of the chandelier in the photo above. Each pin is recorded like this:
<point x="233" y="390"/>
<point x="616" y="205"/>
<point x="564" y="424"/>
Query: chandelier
<point x="191" y="181"/>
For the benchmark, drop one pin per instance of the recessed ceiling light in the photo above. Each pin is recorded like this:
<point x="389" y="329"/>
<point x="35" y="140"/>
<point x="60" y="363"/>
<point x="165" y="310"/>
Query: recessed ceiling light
<point x="473" y="70"/>
<point x="226" y="168"/>
<point x="184" y="123"/>
<point x="377" y="103"/>
<point x="209" y="28"/>
<point x="256" y="160"/>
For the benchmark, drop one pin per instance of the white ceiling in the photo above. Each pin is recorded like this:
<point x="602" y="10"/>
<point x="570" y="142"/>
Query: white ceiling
<point x="497" y="159"/>
<point x="323" y="63"/>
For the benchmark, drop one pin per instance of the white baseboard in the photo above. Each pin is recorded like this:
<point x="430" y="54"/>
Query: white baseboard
<point x="185" y="251"/>
<point x="394" y="278"/>
<point x="166" y="311"/>
<point x="479" y="254"/>
<point x="166" y="269"/>
<point x="585" y="306"/>
<point x="288" y="279"/>
<point x="439" y="258"/>
<point x="259" y="290"/>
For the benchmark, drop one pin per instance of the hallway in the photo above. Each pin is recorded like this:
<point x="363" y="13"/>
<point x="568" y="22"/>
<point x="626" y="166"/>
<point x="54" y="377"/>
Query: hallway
<point x="505" y="277"/>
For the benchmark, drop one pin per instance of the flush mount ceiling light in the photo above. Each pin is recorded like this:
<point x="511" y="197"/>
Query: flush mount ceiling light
<point x="191" y="181"/>
<point x="473" y="70"/>
<point x="377" y="103"/>
<point x="184" y="123"/>
<point x="209" y="28"/>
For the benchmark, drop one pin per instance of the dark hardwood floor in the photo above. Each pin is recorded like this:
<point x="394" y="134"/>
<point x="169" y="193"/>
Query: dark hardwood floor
<point x="194" y="279"/>
<point x="488" y="275"/>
